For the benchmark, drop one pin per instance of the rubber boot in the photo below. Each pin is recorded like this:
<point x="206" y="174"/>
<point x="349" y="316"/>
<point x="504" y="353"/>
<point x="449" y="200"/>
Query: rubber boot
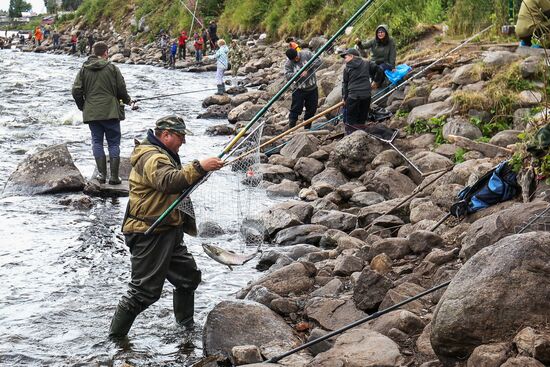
<point x="101" y="164"/>
<point x="223" y="88"/>
<point x="114" y="163"/>
<point x="220" y="89"/>
<point x="291" y="123"/>
<point x="184" y="307"/>
<point x="121" y="323"/>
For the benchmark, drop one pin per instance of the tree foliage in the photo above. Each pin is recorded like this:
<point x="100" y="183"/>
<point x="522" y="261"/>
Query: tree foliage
<point x="17" y="7"/>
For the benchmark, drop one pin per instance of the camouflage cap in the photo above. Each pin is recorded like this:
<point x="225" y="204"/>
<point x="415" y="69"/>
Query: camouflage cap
<point x="174" y="123"/>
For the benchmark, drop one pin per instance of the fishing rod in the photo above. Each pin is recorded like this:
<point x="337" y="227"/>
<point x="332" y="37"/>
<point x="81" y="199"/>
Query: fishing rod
<point x="173" y="94"/>
<point x="264" y="109"/>
<point x="356" y="323"/>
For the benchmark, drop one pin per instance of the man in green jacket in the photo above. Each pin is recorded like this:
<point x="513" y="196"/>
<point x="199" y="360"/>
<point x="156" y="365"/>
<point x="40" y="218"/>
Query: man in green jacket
<point x="157" y="178"/>
<point x="382" y="48"/>
<point x="534" y="20"/>
<point x="98" y="90"/>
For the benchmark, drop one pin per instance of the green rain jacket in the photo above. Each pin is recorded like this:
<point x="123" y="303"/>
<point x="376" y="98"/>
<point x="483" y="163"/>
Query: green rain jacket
<point x="533" y="14"/>
<point x="156" y="180"/>
<point x="381" y="52"/>
<point x="97" y="90"/>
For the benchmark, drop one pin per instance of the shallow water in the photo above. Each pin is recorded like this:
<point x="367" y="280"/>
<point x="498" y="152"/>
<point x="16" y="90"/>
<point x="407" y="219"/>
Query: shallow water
<point x="64" y="269"/>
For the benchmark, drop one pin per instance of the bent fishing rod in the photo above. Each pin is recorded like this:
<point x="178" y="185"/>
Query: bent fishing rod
<point x="356" y="323"/>
<point x="264" y="109"/>
<point x="172" y="94"/>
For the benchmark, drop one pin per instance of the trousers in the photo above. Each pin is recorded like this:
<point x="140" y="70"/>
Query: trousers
<point x="109" y="129"/>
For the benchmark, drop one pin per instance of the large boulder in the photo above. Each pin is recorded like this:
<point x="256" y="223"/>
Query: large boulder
<point x="498" y="291"/>
<point x="352" y="154"/>
<point x="388" y="182"/>
<point x="360" y="348"/>
<point x="243" y="112"/>
<point x="461" y="127"/>
<point x="216" y="99"/>
<point x="49" y="170"/>
<point x="307" y="234"/>
<point x="490" y="229"/>
<point x="330" y="176"/>
<point x="466" y="74"/>
<point x="301" y="145"/>
<point x="430" y="161"/>
<point x="306" y="168"/>
<point x="234" y="323"/>
<point x="427" y="111"/>
<point x="276" y="219"/>
<point x="276" y="173"/>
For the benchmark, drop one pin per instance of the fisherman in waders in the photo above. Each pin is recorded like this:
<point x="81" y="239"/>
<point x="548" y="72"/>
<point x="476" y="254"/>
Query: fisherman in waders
<point x="156" y="180"/>
<point x="382" y="47"/>
<point x="356" y="88"/>
<point x="306" y="93"/>
<point x="534" y="21"/>
<point x="98" y="90"/>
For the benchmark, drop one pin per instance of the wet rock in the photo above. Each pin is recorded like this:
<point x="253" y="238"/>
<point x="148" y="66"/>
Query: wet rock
<point x="307" y="233"/>
<point x="295" y="278"/>
<point x="285" y="188"/>
<point x="243" y="112"/>
<point x="505" y="138"/>
<point x="276" y="219"/>
<point x="511" y="276"/>
<point x="366" y="198"/>
<point x="301" y="209"/>
<point x="335" y="220"/>
<point x="370" y="289"/>
<point x="360" y="348"/>
<point x="47" y="171"/>
<point x="352" y="154"/>
<point x="80" y="202"/>
<point x="534" y="344"/>
<point x="346" y="265"/>
<point x="261" y="295"/>
<point x="440" y="94"/>
<point x="490" y="355"/>
<point x="276" y="173"/>
<point x="462" y="127"/>
<point x="216" y="100"/>
<point x="330" y="176"/>
<point x="499" y="58"/>
<point x="245" y="354"/>
<point x="215" y="112"/>
<point x="427" y="111"/>
<point x="388" y="182"/>
<point x="306" y="168"/>
<point x="218" y="130"/>
<point x="235" y="323"/>
<point x="300" y="145"/>
<point x="332" y="313"/>
<point x="210" y="229"/>
<point x="466" y="74"/>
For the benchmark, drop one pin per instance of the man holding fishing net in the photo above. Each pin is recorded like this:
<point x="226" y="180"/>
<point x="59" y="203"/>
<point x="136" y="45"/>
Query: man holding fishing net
<point x="156" y="180"/>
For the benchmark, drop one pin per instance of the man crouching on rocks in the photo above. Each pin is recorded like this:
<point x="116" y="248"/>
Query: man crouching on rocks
<point x="157" y="178"/>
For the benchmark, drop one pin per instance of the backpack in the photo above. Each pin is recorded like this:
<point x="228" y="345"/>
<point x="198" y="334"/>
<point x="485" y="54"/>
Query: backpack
<point x="496" y="186"/>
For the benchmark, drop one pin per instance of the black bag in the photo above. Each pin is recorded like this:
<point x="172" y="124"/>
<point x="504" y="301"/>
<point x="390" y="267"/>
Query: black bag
<point x="228" y="66"/>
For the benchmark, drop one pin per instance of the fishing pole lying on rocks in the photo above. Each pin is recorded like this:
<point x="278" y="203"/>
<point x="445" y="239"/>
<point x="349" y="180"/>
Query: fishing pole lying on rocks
<point x="173" y="94"/>
<point x="356" y="323"/>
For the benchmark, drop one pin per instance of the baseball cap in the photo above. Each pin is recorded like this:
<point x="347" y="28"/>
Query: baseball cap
<point x="174" y="123"/>
<point x="350" y="51"/>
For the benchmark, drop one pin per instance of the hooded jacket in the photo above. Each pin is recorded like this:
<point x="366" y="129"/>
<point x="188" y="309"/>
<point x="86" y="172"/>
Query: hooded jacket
<point x="97" y="89"/>
<point x="357" y="78"/>
<point x="532" y="14"/>
<point x="221" y="56"/>
<point x="382" y="52"/>
<point x="156" y="180"/>
<point x="292" y="67"/>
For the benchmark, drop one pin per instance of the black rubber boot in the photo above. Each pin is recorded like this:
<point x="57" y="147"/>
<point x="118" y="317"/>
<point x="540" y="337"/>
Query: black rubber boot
<point x="291" y="123"/>
<point x="121" y="323"/>
<point x="184" y="307"/>
<point x="114" y="163"/>
<point x="101" y="164"/>
<point x="221" y="89"/>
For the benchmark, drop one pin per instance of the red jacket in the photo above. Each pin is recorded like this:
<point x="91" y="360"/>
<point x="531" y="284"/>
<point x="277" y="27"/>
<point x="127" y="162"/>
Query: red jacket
<point x="198" y="43"/>
<point x="182" y="40"/>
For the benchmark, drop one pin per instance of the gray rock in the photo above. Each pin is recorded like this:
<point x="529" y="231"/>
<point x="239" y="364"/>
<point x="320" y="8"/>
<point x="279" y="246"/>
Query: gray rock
<point x="440" y="94"/>
<point x="306" y="168"/>
<point x="331" y="289"/>
<point x="440" y="257"/>
<point x="367" y="214"/>
<point x="285" y="188"/>
<point x="427" y="111"/>
<point x="388" y="182"/>
<point x="50" y="170"/>
<point x="346" y="265"/>
<point x="307" y="233"/>
<point x="490" y="355"/>
<point x="335" y="220"/>
<point x="218" y="130"/>
<point x="522" y="361"/>
<point x="332" y="313"/>
<point x="320" y="155"/>
<point x="276" y="219"/>
<point x="216" y="100"/>
<point x="261" y="294"/>
<point x="402" y="320"/>
<point x="360" y="348"/>
<point x="300" y="145"/>
<point x="352" y="154"/>
<point x="278" y="159"/>
<point x="505" y="138"/>
<point x="423" y="241"/>
<point x="530" y="67"/>
<point x="445" y="195"/>
<point x="511" y="276"/>
<point x="422" y="209"/>
<point x="409" y="103"/>
<point x="370" y="289"/>
<point x="461" y="127"/>
<point x="284" y="306"/>
<point x="366" y="198"/>
<point x="530" y="98"/>
<point x="243" y="112"/>
<point x="521" y="117"/>
<point x="466" y="74"/>
<point x="323" y="204"/>
<point x="210" y="229"/>
<point x="387" y="157"/>
<point x="317" y="42"/>
<point x="429" y="161"/>
<point x="402" y="292"/>
<point x="276" y="173"/>
<point x="330" y="238"/>
<point x="308" y="194"/>
<point x="234" y="323"/>
<point x="215" y="112"/>
<point x="321" y="346"/>
<point x="245" y="354"/>
<point x="500" y="58"/>
<point x="252" y="96"/>
<point x="303" y="210"/>
<point x="534" y="344"/>
<point x="330" y="176"/>
<point x="395" y="248"/>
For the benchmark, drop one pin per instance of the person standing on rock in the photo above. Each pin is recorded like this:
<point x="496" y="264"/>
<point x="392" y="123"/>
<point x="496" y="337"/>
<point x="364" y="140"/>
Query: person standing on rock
<point x="206" y="39"/>
<point x="382" y="47"/>
<point x="305" y="93"/>
<point x="98" y="91"/>
<point x="198" y="45"/>
<point x="237" y="57"/>
<point x="213" y="32"/>
<point x="91" y="42"/>
<point x="222" y="62"/>
<point x="356" y="87"/>
<point x="157" y="178"/>
<point x="182" y="42"/>
<point x="38" y="36"/>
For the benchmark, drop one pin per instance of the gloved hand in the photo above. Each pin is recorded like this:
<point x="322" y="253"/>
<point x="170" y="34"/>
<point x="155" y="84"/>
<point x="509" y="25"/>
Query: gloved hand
<point x="133" y="105"/>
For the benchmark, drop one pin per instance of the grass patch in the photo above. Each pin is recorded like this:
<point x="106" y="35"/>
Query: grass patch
<point x="459" y="155"/>
<point x="432" y="126"/>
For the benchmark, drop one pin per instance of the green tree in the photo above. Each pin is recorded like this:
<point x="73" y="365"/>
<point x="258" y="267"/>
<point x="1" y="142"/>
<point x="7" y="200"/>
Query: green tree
<point x="71" y="4"/>
<point x="51" y="6"/>
<point x="17" y="7"/>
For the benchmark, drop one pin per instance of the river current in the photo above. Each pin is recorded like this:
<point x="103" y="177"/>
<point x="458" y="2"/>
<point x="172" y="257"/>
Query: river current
<point x="63" y="269"/>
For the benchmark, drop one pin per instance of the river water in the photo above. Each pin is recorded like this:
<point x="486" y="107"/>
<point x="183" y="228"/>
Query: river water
<point x="64" y="269"/>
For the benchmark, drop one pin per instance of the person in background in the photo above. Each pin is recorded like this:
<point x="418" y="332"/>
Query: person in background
<point x="382" y="47"/>
<point x="157" y="178"/>
<point x="82" y="44"/>
<point x="74" y="40"/>
<point x="97" y="90"/>
<point x="206" y="40"/>
<point x="305" y="93"/>
<point x="55" y="38"/>
<point x="163" y="42"/>
<point x="198" y="45"/>
<point x="38" y="36"/>
<point x="360" y="77"/>
<point x="293" y="44"/>
<point x="91" y="42"/>
<point x="237" y="57"/>
<point x="182" y="42"/>
<point x="213" y="32"/>
<point x="173" y="52"/>
<point x="222" y="62"/>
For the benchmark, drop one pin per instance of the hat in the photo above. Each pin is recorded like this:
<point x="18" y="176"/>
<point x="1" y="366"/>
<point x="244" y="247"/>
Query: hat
<point x="350" y="51"/>
<point x="174" y="123"/>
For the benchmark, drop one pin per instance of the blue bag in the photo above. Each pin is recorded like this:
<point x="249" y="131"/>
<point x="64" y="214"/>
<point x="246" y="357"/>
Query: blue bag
<point x="400" y="71"/>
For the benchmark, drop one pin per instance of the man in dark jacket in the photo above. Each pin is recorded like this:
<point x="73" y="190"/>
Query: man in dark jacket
<point x="306" y="93"/>
<point x="156" y="180"/>
<point x="98" y="90"/>
<point x="382" y="47"/>
<point x="213" y="32"/>
<point x="356" y="87"/>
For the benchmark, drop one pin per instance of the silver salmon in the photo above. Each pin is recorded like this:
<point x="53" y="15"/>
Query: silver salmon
<point x="227" y="257"/>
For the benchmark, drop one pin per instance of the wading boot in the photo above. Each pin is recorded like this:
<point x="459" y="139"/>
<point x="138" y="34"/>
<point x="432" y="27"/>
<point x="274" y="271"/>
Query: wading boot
<point x="101" y="164"/>
<point x="121" y="323"/>
<point x="221" y="89"/>
<point x="291" y="123"/>
<point x="114" y="163"/>
<point x="184" y="307"/>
